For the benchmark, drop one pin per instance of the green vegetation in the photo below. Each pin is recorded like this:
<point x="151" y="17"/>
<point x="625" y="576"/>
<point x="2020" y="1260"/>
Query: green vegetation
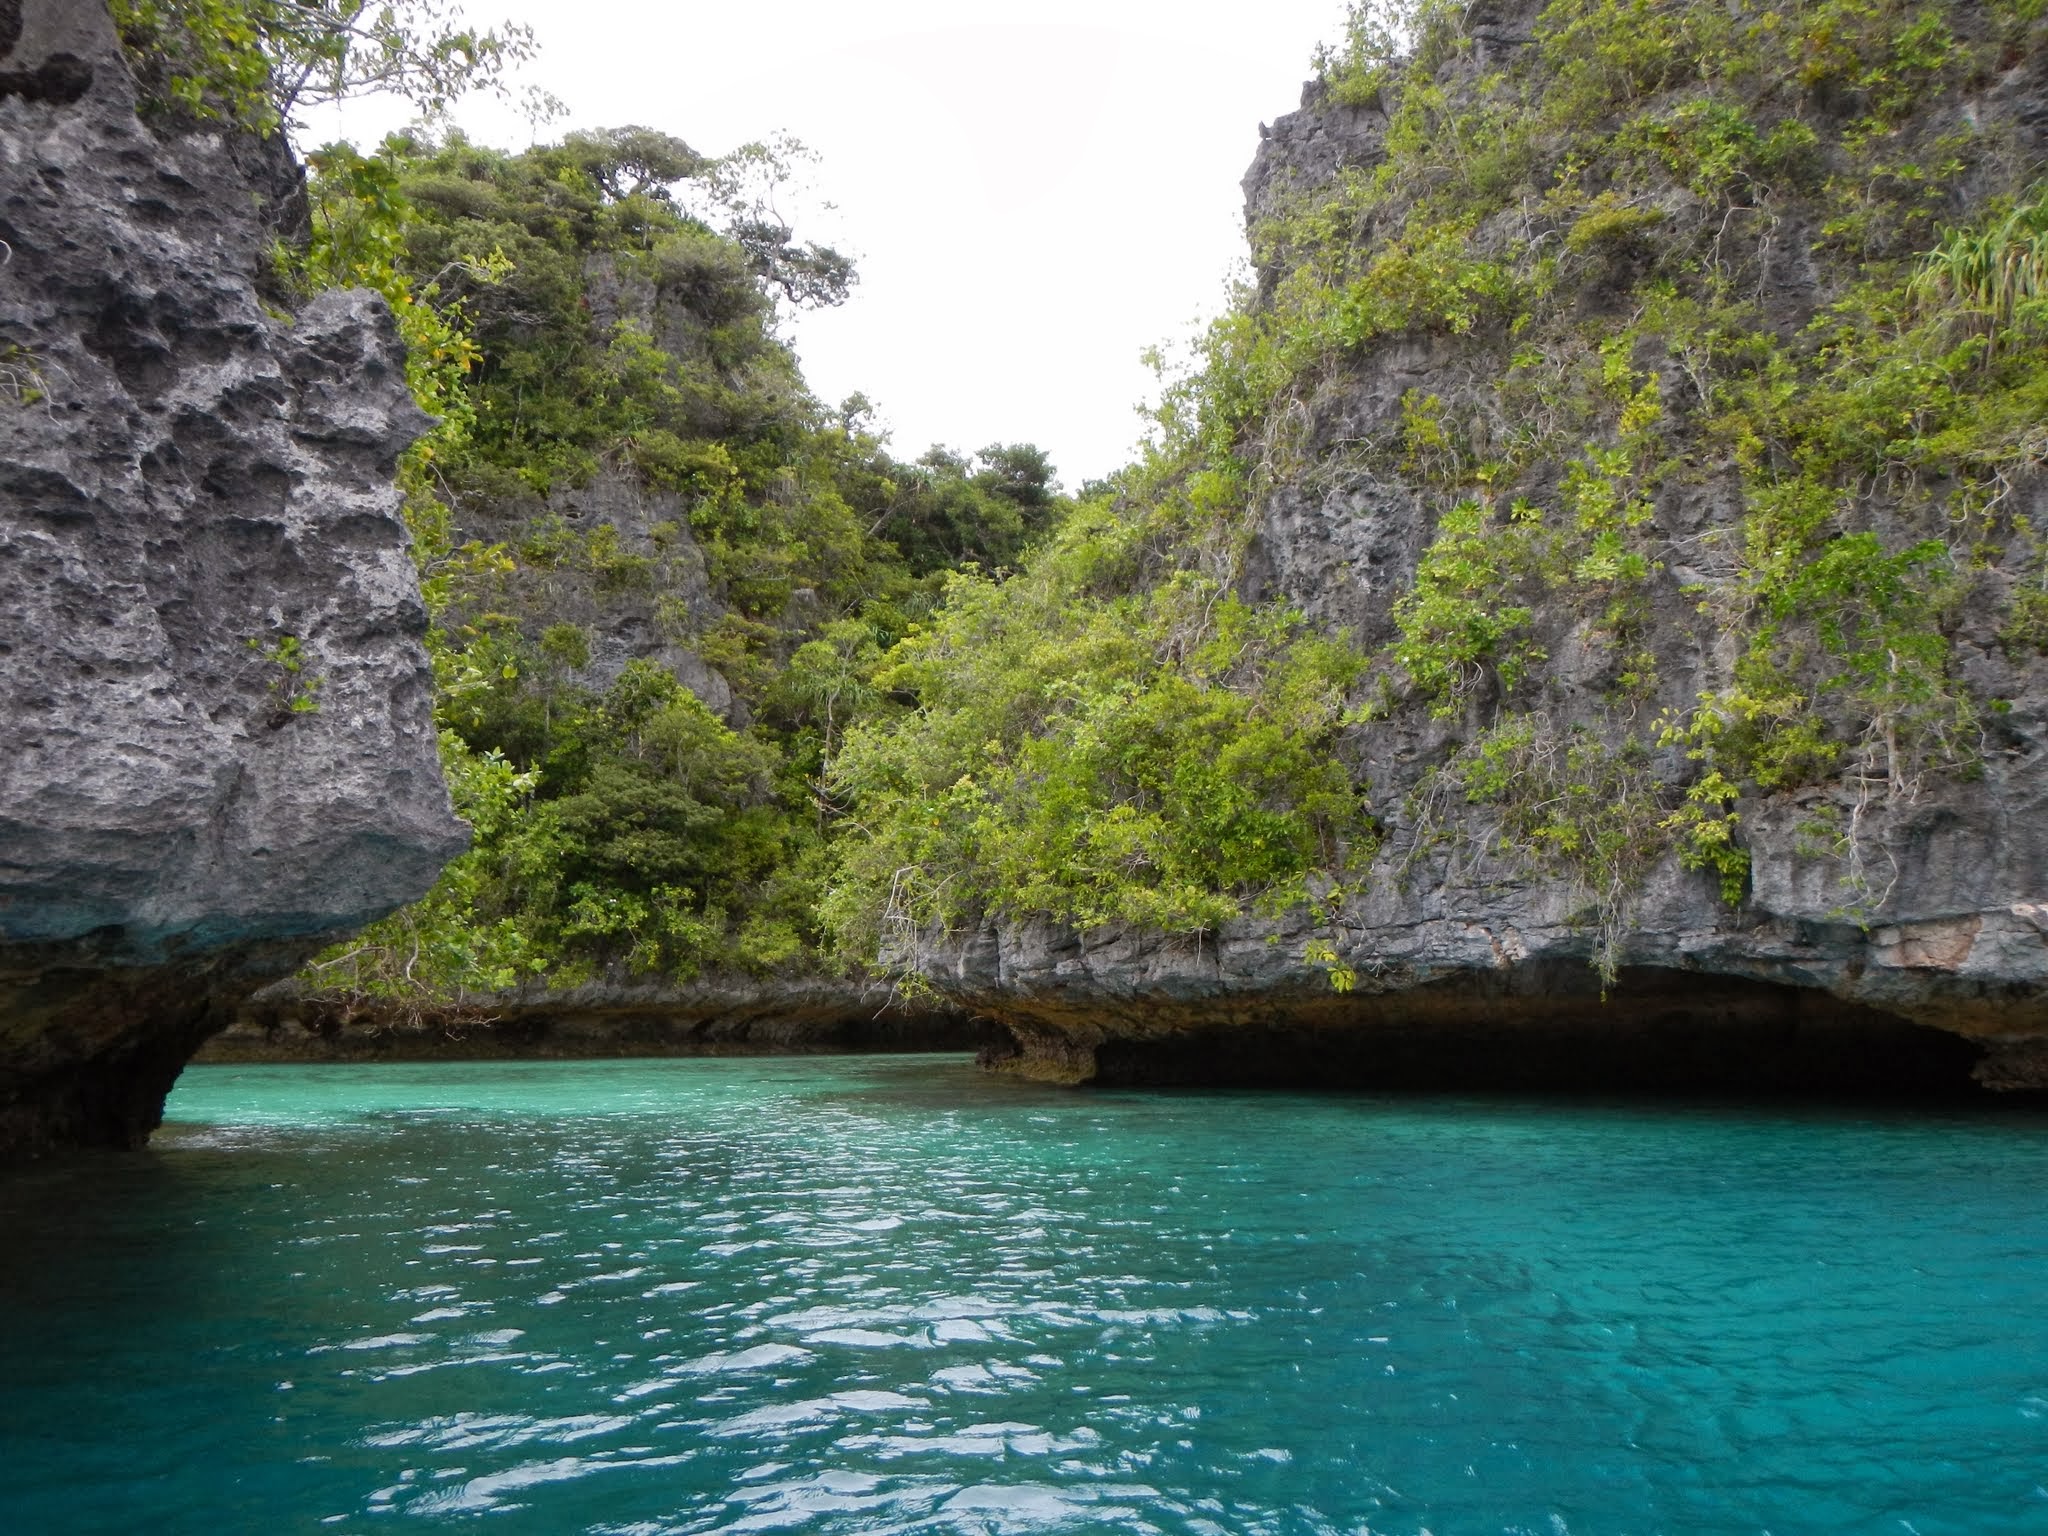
<point x="1747" y="317"/>
<point x="292" y="690"/>
<point x="21" y="377"/>
<point x="1718" y="324"/>
<point x="1569" y="804"/>
<point x="258" y="61"/>
<point x="1094" y="750"/>
<point x="1993" y="280"/>
<point x="1642" y="189"/>
<point x="582" y="334"/>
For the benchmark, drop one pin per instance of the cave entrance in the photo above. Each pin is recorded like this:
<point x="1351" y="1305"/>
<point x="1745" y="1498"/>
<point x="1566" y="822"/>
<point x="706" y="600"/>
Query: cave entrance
<point x="1547" y="1028"/>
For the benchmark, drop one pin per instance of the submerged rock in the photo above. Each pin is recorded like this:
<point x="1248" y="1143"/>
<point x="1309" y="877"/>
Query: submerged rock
<point x="219" y="746"/>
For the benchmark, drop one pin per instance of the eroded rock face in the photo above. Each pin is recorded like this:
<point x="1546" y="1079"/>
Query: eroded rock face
<point x="218" y="740"/>
<point x="650" y="596"/>
<point x="657" y="598"/>
<point x="1918" y="956"/>
<point x="712" y="1016"/>
<point x="1488" y="984"/>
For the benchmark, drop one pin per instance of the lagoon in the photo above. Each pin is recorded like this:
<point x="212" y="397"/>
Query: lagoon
<point x="857" y="1295"/>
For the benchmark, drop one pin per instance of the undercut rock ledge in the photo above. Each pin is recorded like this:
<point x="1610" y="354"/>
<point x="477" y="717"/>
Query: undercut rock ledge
<point x="219" y="747"/>
<point x="1132" y="1010"/>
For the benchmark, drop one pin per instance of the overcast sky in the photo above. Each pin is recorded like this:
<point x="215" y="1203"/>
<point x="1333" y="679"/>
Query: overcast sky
<point x="1035" y="192"/>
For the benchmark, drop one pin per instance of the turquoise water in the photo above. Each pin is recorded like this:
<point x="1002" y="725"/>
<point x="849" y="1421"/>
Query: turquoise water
<point x="869" y="1295"/>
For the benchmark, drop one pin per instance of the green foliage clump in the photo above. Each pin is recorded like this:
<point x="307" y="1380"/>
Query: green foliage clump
<point x="1993" y="279"/>
<point x="293" y="691"/>
<point x="257" y="62"/>
<point x="1160" y="757"/>
<point x="1355" y="73"/>
<point x="1704" y="829"/>
<point x="442" y="953"/>
<point x="2026" y="624"/>
<point x="949" y="512"/>
<point x="1610" y="223"/>
<point x="650" y="826"/>
<point x="1458" y="618"/>
<point x="573" y="316"/>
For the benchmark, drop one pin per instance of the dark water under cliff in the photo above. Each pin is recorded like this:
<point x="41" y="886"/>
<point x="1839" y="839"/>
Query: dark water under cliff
<point x="866" y="1295"/>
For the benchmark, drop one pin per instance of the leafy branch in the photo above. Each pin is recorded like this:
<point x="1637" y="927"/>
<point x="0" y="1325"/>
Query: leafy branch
<point x="266" y="62"/>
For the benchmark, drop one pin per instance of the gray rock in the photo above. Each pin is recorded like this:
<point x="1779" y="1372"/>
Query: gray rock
<point x="653" y="599"/>
<point x="1472" y="964"/>
<point x="728" y="1015"/>
<point x="658" y="602"/>
<point x="1308" y="149"/>
<point x="219" y="745"/>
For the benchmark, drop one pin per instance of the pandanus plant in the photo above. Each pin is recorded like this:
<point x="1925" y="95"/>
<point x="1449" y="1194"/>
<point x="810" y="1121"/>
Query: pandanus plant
<point x="1994" y="280"/>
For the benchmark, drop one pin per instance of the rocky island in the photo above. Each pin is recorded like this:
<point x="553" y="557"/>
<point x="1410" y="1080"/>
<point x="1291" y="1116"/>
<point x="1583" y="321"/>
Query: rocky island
<point x="1581" y="622"/>
<point x="1643" y="392"/>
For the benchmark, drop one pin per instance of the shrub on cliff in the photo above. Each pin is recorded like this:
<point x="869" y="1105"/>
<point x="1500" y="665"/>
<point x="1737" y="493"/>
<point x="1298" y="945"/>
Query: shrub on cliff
<point x="598" y="317"/>
<point x="1743" y="291"/>
<point x="1093" y="754"/>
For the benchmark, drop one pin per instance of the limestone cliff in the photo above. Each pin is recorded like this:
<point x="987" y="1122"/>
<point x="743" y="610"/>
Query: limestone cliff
<point x="218" y="741"/>
<point x="1881" y="894"/>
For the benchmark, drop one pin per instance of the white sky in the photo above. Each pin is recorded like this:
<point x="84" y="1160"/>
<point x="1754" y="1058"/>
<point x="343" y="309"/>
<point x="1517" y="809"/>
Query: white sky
<point x="1035" y="193"/>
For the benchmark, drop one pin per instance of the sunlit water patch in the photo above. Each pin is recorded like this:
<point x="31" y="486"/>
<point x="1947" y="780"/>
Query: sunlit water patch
<point x="881" y="1295"/>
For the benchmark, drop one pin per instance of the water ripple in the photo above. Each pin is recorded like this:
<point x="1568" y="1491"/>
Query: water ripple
<point x="644" y="1299"/>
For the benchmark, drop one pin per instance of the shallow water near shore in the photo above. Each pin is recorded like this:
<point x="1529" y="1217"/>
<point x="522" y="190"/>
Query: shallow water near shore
<point x="849" y="1295"/>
